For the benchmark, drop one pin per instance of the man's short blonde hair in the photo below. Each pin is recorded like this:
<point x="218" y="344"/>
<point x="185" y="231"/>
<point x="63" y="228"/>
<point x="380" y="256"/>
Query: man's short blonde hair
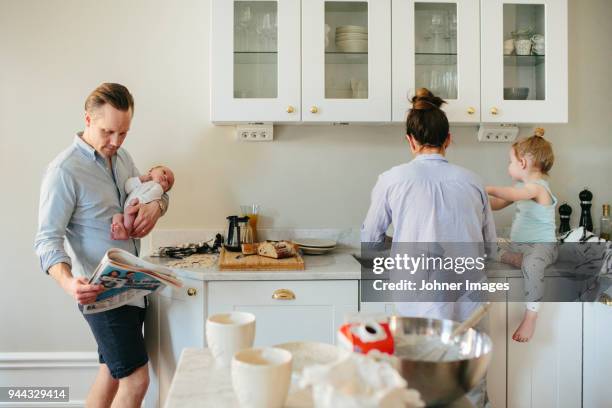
<point x="116" y="95"/>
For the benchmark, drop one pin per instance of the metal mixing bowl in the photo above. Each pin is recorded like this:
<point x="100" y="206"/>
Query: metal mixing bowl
<point x="441" y="382"/>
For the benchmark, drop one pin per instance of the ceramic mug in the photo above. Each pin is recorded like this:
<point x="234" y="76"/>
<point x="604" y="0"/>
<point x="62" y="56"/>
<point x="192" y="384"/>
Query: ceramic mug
<point x="523" y="47"/>
<point x="508" y="46"/>
<point x="228" y="333"/>
<point x="538" y="43"/>
<point x="261" y="377"/>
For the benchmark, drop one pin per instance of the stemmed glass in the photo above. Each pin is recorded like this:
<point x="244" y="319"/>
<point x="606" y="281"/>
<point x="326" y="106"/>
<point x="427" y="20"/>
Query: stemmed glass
<point x="244" y="22"/>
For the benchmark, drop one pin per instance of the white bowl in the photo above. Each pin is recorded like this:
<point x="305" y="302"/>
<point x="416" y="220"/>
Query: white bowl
<point x="351" y="29"/>
<point x="351" y="36"/>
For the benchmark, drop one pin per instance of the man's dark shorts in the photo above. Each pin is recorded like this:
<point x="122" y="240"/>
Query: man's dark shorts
<point x="118" y="332"/>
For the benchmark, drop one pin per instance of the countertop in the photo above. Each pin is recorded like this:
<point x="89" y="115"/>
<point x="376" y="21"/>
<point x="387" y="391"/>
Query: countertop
<point x="337" y="265"/>
<point x="198" y="383"/>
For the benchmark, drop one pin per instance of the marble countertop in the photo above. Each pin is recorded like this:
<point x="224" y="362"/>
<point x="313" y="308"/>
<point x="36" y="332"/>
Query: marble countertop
<point x="198" y="383"/>
<point x="338" y="265"/>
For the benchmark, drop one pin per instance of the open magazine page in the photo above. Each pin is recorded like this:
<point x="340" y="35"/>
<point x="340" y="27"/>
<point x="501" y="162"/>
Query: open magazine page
<point x="126" y="278"/>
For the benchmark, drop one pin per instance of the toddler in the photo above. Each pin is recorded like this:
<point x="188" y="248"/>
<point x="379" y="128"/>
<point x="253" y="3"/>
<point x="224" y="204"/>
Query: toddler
<point x="141" y="190"/>
<point x="533" y="241"/>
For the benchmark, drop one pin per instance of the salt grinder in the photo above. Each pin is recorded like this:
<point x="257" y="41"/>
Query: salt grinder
<point x="586" y="198"/>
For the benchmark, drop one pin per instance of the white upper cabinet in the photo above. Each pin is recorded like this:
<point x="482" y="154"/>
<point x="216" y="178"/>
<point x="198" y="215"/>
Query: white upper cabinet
<point x="436" y="46"/>
<point x="524" y="61"/>
<point x="255" y="61"/>
<point x="346" y="61"/>
<point x="284" y="61"/>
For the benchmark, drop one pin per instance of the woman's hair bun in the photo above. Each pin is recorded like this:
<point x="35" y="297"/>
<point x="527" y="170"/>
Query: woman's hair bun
<point x="425" y="100"/>
<point x="539" y="132"/>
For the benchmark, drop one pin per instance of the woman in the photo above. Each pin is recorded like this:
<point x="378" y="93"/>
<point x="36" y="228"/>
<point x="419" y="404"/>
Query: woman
<point x="429" y="200"/>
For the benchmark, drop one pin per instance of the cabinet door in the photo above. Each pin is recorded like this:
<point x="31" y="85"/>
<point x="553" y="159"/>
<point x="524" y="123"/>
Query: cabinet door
<point x="524" y="61"/>
<point x="181" y="324"/>
<point x="597" y="355"/>
<point x="255" y="61"/>
<point x="288" y="310"/>
<point x="436" y="45"/>
<point x="346" y="60"/>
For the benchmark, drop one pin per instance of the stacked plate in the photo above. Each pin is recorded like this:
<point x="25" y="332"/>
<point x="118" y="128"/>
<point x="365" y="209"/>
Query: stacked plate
<point x="351" y="38"/>
<point x="311" y="246"/>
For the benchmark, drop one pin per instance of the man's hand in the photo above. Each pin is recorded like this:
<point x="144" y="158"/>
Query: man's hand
<point x="81" y="290"/>
<point x="147" y="217"/>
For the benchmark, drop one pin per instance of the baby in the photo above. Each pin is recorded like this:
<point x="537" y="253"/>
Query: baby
<point x="141" y="190"/>
<point x="533" y="245"/>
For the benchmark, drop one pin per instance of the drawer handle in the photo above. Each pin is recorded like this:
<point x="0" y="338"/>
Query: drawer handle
<point x="471" y="111"/>
<point x="314" y="109"/>
<point x="605" y="299"/>
<point x="283" y="294"/>
<point x="494" y="111"/>
<point x="192" y="292"/>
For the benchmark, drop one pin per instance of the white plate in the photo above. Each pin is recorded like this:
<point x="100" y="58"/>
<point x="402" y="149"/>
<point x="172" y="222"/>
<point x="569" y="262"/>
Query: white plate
<point x="315" y="243"/>
<point x="316" y="251"/>
<point x="351" y="29"/>
<point x="352" y="47"/>
<point x="351" y="36"/>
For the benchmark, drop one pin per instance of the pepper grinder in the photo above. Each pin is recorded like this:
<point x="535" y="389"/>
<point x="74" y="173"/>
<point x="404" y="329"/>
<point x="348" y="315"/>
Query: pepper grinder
<point x="585" y="203"/>
<point x="564" y="216"/>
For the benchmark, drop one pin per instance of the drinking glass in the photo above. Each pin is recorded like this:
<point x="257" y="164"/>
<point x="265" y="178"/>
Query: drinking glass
<point x="251" y="211"/>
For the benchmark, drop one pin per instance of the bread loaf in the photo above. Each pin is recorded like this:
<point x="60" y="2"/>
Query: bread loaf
<point x="280" y="249"/>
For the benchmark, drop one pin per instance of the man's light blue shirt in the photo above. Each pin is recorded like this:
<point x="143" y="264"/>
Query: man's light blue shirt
<point x="78" y="198"/>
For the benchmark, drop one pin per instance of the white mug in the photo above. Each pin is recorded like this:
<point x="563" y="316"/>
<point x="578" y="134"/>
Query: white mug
<point x="508" y="46"/>
<point x="227" y="333"/>
<point x="523" y="47"/>
<point x="261" y="377"/>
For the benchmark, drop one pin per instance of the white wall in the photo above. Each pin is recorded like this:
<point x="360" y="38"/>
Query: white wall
<point x="53" y="53"/>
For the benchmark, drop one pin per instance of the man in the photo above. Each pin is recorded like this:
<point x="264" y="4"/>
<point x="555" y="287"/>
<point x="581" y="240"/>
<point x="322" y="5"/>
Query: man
<point x="81" y="190"/>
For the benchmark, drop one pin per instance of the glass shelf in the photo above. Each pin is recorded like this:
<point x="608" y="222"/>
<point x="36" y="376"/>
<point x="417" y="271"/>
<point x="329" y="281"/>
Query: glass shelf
<point x="336" y="58"/>
<point x="524" y="60"/>
<point x="435" y="59"/>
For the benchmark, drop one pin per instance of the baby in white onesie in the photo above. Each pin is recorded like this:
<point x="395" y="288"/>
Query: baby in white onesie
<point x="141" y="190"/>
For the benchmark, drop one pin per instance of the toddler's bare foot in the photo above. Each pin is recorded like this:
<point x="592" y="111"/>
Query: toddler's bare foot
<point x="118" y="232"/>
<point x="526" y="329"/>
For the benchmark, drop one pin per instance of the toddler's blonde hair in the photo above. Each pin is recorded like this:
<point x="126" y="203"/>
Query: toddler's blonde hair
<point x="538" y="149"/>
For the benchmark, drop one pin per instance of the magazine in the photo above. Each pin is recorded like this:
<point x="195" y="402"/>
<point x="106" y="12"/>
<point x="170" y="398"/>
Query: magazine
<point x="126" y="277"/>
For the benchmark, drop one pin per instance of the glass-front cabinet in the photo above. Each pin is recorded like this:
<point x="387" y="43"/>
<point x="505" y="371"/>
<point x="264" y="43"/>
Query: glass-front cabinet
<point x="346" y="61"/>
<point x="436" y="46"/>
<point x="524" y="61"/>
<point x="255" y="61"/>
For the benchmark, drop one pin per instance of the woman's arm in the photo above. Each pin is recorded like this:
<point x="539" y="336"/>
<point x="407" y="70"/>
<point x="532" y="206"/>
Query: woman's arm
<point x="512" y="194"/>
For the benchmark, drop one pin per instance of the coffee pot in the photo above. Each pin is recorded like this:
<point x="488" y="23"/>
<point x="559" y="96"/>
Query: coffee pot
<point x="232" y="242"/>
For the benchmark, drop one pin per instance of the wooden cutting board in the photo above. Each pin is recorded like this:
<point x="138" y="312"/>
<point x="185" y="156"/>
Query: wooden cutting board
<point x="235" y="261"/>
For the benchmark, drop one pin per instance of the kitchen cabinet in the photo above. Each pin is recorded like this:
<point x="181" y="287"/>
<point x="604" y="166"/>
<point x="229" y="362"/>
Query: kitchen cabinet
<point x="288" y="310"/>
<point x="527" y="81"/>
<point x="289" y="61"/>
<point x="436" y="45"/>
<point x="346" y="77"/>
<point x="175" y="319"/>
<point x="597" y="362"/>
<point x="255" y="61"/>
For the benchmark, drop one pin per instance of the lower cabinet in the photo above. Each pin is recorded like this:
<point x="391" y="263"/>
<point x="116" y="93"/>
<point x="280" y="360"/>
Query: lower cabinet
<point x="288" y="310"/>
<point x="597" y="363"/>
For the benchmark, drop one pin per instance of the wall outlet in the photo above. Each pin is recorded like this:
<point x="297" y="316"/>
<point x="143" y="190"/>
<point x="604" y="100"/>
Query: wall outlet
<point x="499" y="133"/>
<point x="255" y="133"/>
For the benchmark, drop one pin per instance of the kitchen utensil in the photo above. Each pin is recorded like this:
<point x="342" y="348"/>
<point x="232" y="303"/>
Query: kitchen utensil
<point x="516" y="93"/>
<point x="475" y="317"/>
<point x="261" y="377"/>
<point x="586" y="221"/>
<point x="227" y="333"/>
<point x="251" y="211"/>
<point x="232" y="242"/>
<point x="441" y="382"/>
<point x="235" y="261"/>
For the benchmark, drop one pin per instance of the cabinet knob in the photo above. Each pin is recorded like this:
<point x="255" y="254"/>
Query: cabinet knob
<point x="494" y="111"/>
<point x="314" y="109"/>
<point x="192" y="291"/>
<point x="283" y="294"/>
<point x="605" y="299"/>
<point x="471" y="111"/>
<point x="290" y="109"/>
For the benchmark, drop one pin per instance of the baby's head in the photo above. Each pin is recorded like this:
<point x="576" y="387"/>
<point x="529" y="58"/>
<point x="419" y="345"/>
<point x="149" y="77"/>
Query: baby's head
<point x="531" y="155"/>
<point x="162" y="175"/>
